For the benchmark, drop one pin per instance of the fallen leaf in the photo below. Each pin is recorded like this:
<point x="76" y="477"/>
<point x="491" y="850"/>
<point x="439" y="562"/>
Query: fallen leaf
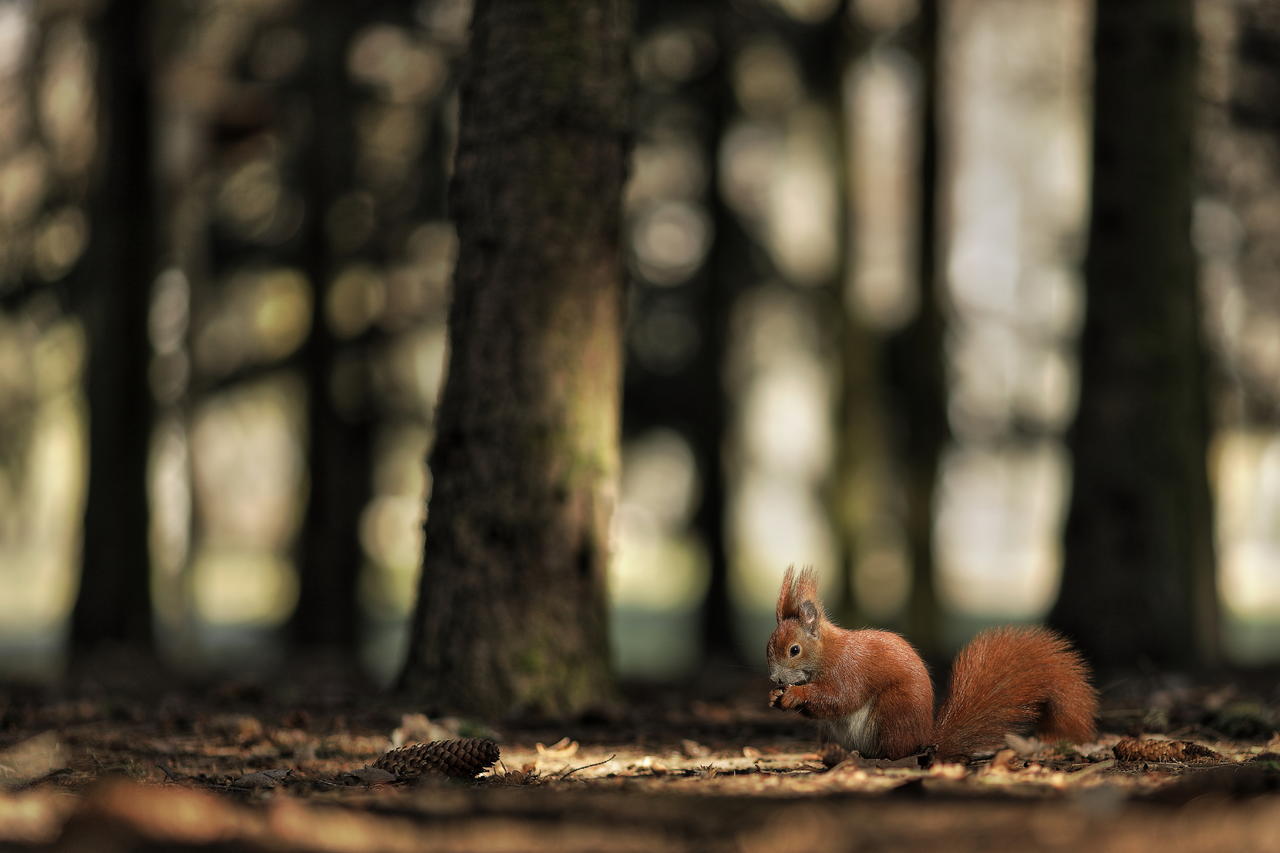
<point x="261" y="779"/>
<point x="368" y="776"/>
<point x="524" y="776"/>
<point x="654" y="766"/>
<point x="31" y="759"/>
<point x="1093" y="769"/>
<point x="693" y="749"/>
<point x="561" y="750"/>
<point x="751" y="752"/>
<point x="910" y="762"/>
<point x="1003" y="760"/>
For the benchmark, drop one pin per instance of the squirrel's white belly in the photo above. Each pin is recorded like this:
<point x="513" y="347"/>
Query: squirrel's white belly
<point x="856" y="731"/>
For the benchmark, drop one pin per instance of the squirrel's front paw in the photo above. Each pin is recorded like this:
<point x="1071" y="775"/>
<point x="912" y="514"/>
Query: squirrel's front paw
<point x="786" y="698"/>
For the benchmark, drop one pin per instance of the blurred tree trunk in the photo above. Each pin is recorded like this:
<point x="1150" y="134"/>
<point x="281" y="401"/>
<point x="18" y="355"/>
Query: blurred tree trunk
<point x="894" y="412"/>
<point x="511" y="614"/>
<point x="114" y="601"/>
<point x="1239" y="171"/>
<point x="340" y="453"/>
<point x="688" y="394"/>
<point x="1138" y="579"/>
<point x="915" y="361"/>
<point x="826" y="52"/>
<point x="729" y="264"/>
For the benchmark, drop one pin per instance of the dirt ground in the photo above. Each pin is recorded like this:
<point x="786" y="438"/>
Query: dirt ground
<point x="287" y="767"/>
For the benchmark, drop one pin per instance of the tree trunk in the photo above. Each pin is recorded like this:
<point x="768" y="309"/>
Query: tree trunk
<point x="114" y="600"/>
<point x="1138" y="576"/>
<point x="915" y="359"/>
<point x="729" y="266"/>
<point x="511" y="614"/>
<point x="340" y="453"/>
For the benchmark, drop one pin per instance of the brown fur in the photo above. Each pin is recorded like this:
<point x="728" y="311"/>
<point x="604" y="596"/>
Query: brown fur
<point x="1007" y="679"/>
<point x="1014" y="679"/>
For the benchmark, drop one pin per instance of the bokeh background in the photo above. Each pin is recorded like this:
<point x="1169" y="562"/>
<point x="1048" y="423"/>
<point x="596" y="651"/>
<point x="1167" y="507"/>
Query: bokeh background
<point x="800" y="167"/>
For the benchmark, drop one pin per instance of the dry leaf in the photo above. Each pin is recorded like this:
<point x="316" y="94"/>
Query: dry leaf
<point x="1003" y="760"/>
<point x="1093" y="769"/>
<point x="369" y="776"/>
<point x="31" y="759"/>
<point x="654" y="766"/>
<point x="261" y="779"/>
<point x="693" y="749"/>
<point x="909" y="762"/>
<point x="751" y="752"/>
<point x="525" y="776"/>
<point x="561" y="750"/>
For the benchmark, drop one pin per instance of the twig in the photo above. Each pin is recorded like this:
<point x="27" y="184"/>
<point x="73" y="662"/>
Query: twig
<point x="566" y="774"/>
<point x="169" y="775"/>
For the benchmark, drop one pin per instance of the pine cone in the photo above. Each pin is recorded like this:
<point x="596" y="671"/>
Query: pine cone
<point x="457" y="759"/>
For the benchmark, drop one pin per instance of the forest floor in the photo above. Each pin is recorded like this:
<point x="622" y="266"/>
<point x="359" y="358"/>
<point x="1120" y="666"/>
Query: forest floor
<point x="248" y="767"/>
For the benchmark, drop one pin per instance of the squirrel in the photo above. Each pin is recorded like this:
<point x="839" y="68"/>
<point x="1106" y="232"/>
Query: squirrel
<point x="871" y="692"/>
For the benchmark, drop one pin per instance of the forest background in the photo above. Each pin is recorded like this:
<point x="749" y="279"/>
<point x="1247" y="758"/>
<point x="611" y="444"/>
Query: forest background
<point x="885" y="303"/>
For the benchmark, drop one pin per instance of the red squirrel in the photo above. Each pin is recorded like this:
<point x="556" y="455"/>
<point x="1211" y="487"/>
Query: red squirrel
<point x="871" y="692"/>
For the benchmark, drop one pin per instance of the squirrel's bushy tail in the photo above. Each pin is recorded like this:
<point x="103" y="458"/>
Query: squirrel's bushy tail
<point x="1010" y="680"/>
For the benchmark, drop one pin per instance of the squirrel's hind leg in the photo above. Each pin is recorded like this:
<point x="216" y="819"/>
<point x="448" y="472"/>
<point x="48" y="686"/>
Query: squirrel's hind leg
<point x="905" y="722"/>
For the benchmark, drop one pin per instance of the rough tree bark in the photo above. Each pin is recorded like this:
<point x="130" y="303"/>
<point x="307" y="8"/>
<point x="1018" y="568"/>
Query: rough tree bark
<point x="1138" y="576"/>
<point x="511" y="614"/>
<point x="114" y="600"/>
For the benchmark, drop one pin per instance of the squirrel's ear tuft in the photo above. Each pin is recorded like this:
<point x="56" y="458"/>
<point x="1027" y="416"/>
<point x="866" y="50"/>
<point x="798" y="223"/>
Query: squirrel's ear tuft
<point x="806" y="601"/>
<point x="806" y="587"/>
<point x="799" y="597"/>
<point x="786" y="596"/>
<point x="810" y="616"/>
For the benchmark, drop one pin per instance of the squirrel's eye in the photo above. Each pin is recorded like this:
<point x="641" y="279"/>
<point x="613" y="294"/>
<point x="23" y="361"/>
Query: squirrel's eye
<point x="795" y="650"/>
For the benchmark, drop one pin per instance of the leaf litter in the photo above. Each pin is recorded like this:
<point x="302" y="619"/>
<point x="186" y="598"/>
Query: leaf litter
<point x="723" y="774"/>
